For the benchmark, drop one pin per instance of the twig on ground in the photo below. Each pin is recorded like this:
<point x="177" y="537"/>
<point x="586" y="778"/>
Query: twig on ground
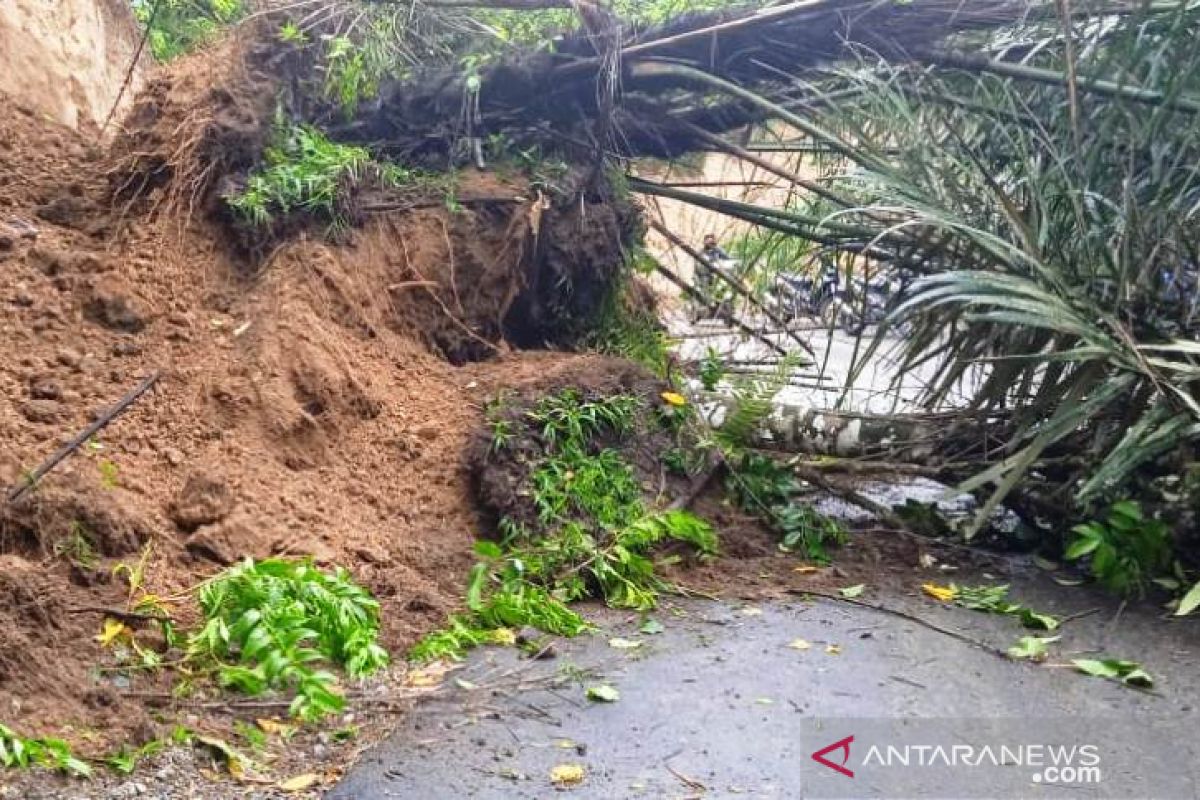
<point x="895" y="612"/>
<point x="691" y="783"/>
<point x="1079" y="615"/>
<point x="104" y="419"/>
<point x="116" y="613"/>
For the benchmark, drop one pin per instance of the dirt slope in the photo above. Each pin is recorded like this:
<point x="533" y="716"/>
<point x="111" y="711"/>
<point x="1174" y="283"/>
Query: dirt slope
<point x="308" y="403"/>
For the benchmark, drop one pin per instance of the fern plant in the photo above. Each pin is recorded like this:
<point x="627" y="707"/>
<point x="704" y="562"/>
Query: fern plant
<point x="753" y="401"/>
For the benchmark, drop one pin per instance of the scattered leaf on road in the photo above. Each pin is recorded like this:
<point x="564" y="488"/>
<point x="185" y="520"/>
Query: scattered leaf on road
<point x="764" y="701"/>
<point x="567" y="775"/>
<point x="651" y="627"/>
<point x="853" y="591"/>
<point x="1129" y="672"/>
<point x="1032" y="648"/>
<point x="806" y="569"/>
<point x="1035" y="619"/>
<point x="927" y="561"/>
<point x="799" y="644"/>
<point x="751" y="611"/>
<point x="603" y="694"/>
<point x="1190" y="602"/>
<point x="833" y="649"/>
<point x="299" y="783"/>
<point x="943" y="593"/>
<point x="618" y="643"/>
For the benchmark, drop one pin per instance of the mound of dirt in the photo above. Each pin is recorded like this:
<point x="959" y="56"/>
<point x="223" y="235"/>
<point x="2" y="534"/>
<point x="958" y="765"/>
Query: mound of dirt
<point x="317" y="402"/>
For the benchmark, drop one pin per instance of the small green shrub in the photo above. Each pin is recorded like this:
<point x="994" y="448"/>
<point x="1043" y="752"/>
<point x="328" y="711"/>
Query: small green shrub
<point x="303" y="171"/>
<point x="267" y="624"/>
<point x="1127" y="550"/>
<point x="761" y="486"/>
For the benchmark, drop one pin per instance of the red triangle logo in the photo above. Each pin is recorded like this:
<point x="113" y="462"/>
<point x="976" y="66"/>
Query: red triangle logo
<point x="844" y="747"/>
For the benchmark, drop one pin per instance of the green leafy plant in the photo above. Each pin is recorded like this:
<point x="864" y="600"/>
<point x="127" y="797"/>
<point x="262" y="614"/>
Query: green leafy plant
<point x="765" y="488"/>
<point x="268" y="624"/>
<point x="1126" y="551"/>
<point x="593" y="536"/>
<point x="177" y="27"/>
<point x="76" y="546"/>
<point x="126" y="759"/>
<point x="712" y="369"/>
<point x="17" y="752"/>
<point x="305" y="172"/>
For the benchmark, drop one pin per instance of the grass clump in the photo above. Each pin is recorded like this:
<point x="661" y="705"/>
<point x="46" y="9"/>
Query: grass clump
<point x="629" y="327"/>
<point x="305" y="173"/>
<point x="590" y="534"/>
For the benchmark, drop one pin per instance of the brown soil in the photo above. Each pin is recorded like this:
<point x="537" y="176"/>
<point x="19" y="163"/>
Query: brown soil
<point x="317" y="401"/>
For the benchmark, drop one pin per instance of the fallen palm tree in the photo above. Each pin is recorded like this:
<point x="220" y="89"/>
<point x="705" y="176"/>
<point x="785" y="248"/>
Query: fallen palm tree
<point x="1047" y="190"/>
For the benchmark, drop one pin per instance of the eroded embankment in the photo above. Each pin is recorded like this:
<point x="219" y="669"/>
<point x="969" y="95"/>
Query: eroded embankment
<point x="316" y="397"/>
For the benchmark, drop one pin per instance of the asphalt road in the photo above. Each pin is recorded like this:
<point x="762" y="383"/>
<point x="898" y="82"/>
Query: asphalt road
<point x="731" y="701"/>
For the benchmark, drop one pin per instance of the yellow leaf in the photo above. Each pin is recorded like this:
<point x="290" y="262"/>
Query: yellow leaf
<point x="275" y="726"/>
<point x="112" y="631"/>
<point x="806" y="569"/>
<point x="674" y="399"/>
<point x="833" y="649"/>
<point x="751" y="611"/>
<point x="567" y="775"/>
<point x="504" y="637"/>
<point x="800" y="644"/>
<point x="299" y="783"/>
<point x="943" y="593"/>
<point x="432" y="675"/>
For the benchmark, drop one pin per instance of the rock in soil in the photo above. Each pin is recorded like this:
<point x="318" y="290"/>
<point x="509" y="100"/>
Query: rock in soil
<point x="205" y="498"/>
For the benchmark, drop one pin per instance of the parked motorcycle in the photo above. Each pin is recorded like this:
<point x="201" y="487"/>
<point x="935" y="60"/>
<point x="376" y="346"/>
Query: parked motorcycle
<point x="796" y="295"/>
<point x="850" y="306"/>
